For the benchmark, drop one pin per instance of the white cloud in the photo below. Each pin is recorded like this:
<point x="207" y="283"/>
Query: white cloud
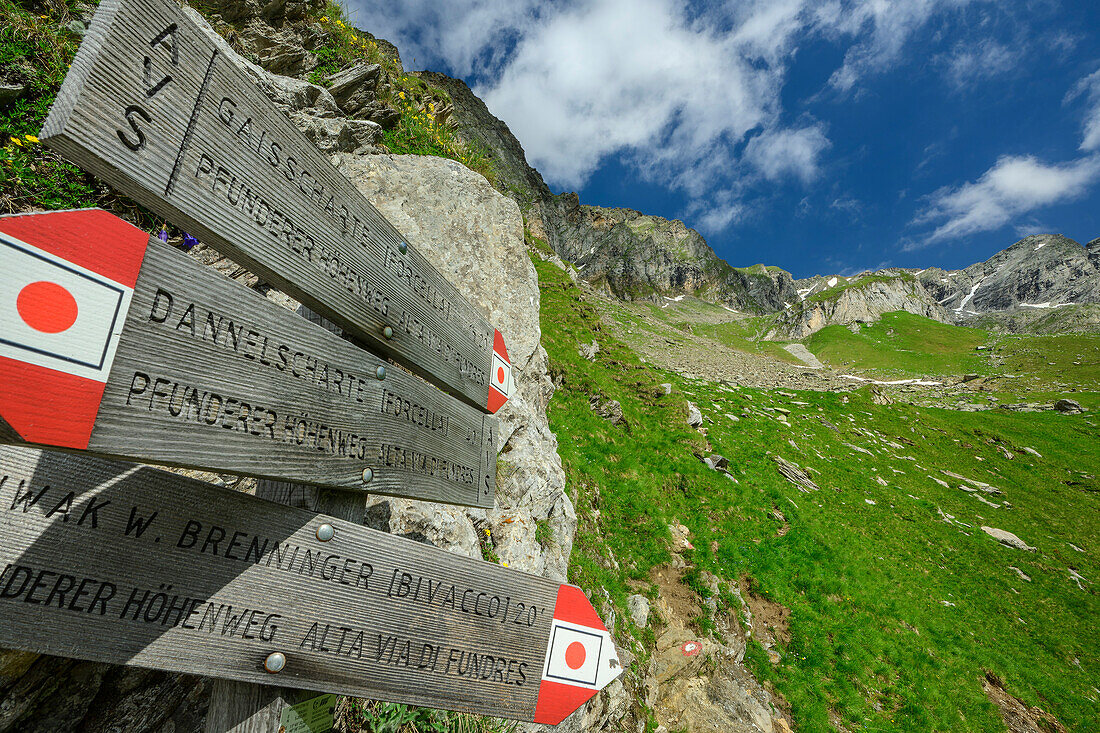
<point x="883" y="28"/>
<point x="1089" y="87"/>
<point x="1013" y="187"/>
<point x="689" y="97"/>
<point x="467" y="35"/>
<point x="781" y="153"/>
<point x="969" y="64"/>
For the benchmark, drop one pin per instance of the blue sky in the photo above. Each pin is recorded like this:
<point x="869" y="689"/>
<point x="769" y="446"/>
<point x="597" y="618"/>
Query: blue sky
<point x="823" y="136"/>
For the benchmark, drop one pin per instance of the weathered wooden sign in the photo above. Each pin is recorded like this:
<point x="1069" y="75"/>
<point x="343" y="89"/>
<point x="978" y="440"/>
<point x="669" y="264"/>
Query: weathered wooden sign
<point x="113" y="342"/>
<point x="113" y="562"/>
<point x="152" y="106"/>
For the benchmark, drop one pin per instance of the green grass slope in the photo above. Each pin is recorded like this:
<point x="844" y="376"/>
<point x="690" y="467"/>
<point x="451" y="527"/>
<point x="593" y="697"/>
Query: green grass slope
<point x="900" y="603"/>
<point x="902" y="344"/>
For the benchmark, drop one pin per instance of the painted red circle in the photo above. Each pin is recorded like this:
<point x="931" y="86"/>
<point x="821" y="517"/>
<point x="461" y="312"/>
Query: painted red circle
<point x="46" y="307"/>
<point x="574" y="655"/>
<point x="500" y="375"/>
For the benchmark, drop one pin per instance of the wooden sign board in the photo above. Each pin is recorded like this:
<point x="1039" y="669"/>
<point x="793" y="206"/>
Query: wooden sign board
<point x="107" y="561"/>
<point x="152" y="107"/>
<point x="114" y="342"/>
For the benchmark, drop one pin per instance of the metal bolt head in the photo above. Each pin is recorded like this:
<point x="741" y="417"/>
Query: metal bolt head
<point x="275" y="662"/>
<point x="388" y="332"/>
<point x="326" y="532"/>
<point x="403" y="247"/>
<point x="368" y="475"/>
<point x="380" y="372"/>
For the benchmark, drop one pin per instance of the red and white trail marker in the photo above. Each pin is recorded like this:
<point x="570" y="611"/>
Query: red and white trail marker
<point x="501" y="384"/>
<point x="67" y="280"/>
<point x="580" y="658"/>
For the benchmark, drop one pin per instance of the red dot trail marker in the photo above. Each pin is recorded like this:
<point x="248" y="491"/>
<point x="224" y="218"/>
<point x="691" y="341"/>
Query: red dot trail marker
<point x="47" y="307"/>
<point x="63" y="302"/>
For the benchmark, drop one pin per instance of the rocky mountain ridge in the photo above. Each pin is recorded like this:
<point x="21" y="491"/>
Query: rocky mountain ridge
<point x="628" y="254"/>
<point x="1024" y="287"/>
<point x="631" y="255"/>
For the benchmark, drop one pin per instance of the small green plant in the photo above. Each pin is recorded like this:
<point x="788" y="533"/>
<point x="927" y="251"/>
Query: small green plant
<point x="386" y="717"/>
<point x="544" y="534"/>
<point x="421" y="129"/>
<point x="35" y="51"/>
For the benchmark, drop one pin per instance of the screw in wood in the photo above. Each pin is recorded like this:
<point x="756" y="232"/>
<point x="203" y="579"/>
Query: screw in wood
<point x="326" y="532"/>
<point x="368" y="475"/>
<point x="380" y="372"/>
<point x="387" y="332"/>
<point x="275" y="662"/>
<point x="403" y="247"/>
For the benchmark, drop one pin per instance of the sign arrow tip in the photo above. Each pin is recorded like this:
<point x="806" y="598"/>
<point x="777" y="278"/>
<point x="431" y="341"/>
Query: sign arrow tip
<point x="580" y="658"/>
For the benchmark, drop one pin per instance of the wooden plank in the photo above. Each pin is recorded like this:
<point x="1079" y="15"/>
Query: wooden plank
<point x="245" y="707"/>
<point x="209" y="374"/>
<point x="112" y="562"/>
<point x="152" y="107"/>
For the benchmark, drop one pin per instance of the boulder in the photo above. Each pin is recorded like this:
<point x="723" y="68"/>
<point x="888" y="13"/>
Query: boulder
<point x="613" y="411"/>
<point x="680" y="537"/>
<point x="1068" y="407"/>
<point x="339" y="134"/>
<point x="354" y="87"/>
<point x="474" y="236"/>
<point x="589" y="351"/>
<point x="638" y="606"/>
<point x="287" y="58"/>
<point x="694" y="416"/>
<point x="716" y="462"/>
<point x="666" y="388"/>
<point x="1007" y="538"/>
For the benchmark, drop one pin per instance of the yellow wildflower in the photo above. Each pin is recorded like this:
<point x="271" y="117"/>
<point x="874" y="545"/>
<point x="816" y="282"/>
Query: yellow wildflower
<point x="32" y="138"/>
<point x="504" y="563"/>
<point x="324" y="18"/>
<point x="17" y="141"/>
<point x="401" y="94"/>
<point x="487" y="532"/>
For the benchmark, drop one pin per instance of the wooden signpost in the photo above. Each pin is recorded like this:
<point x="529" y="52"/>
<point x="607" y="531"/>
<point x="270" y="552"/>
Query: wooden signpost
<point x="108" y="561"/>
<point x="114" y="342"/>
<point x="152" y="107"/>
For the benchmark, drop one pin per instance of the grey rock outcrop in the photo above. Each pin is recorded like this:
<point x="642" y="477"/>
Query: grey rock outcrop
<point x="1068" y="407"/>
<point x="474" y="236"/>
<point x="635" y="256"/>
<point x="354" y="87"/>
<point x="628" y="253"/>
<point x="863" y="300"/>
<point x="1007" y="538"/>
<point x="694" y="416"/>
<point x="1039" y="272"/>
<point x="638" y="606"/>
